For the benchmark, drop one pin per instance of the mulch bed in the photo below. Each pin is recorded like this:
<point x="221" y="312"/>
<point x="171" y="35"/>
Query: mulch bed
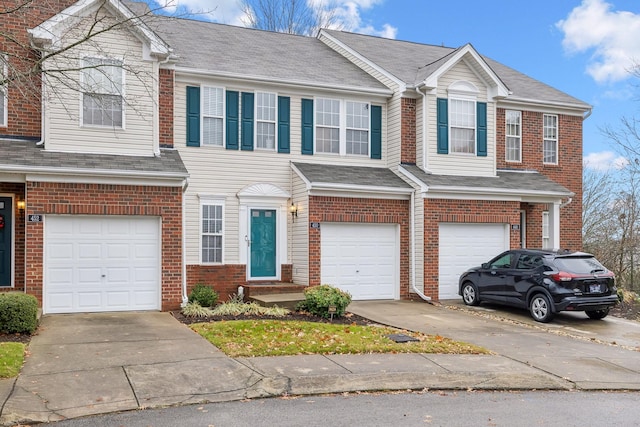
<point x="347" y="319"/>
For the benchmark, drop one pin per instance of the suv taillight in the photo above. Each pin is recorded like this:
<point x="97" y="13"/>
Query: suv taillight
<point x="563" y="276"/>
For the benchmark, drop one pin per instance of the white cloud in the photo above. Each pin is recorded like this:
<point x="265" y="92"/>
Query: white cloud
<point x="611" y="35"/>
<point x="604" y="161"/>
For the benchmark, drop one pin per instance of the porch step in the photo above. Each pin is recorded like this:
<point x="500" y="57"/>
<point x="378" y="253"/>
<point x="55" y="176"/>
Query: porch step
<point x="286" y="300"/>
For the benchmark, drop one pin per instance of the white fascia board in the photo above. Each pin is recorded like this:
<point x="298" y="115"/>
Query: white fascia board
<point x="385" y="93"/>
<point x="359" y="194"/>
<point x="476" y="191"/>
<point x="46" y="30"/>
<point x="75" y="172"/>
<point x="432" y="81"/>
<point x="301" y="176"/>
<point x="12" y="177"/>
<point x="110" y="180"/>
<point x="401" y="85"/>
<point x="514" y="103"/>
<point x="413" y="178"/>
<point x="353" y="188"/>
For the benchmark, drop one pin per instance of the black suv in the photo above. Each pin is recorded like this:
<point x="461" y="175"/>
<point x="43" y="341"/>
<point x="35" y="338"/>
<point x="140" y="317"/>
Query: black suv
<point x="543" y="281"/>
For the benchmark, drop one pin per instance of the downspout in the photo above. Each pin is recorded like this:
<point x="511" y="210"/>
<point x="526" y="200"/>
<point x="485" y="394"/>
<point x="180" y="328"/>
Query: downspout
<point x="412" y="214"/>
<point x="569" y="200"/>
<point x="185" y="299"/>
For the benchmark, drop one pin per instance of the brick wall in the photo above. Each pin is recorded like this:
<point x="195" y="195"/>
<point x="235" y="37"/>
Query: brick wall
<point x="408" y="131"/>
<point x="461" y="211"/>
<point x="17" y="190"/>
<point x="568" y="171"/>
<point x="101" y="199"/>
<point x="339" y="209"/>
<point x="24" y="106"/>
<point x="166" y="108"/>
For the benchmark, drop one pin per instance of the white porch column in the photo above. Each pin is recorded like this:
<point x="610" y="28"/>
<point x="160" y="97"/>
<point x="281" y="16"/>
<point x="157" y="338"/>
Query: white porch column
<point x="554" y="225"/>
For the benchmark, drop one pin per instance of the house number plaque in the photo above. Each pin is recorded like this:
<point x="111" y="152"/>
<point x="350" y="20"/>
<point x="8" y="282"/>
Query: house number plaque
<point x="34" y="218"/>
<point x="314" y="225"/>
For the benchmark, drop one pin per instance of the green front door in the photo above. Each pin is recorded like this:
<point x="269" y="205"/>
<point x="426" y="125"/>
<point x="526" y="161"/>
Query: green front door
<point x="263" y="243"/>
<point x="6" y="215"/>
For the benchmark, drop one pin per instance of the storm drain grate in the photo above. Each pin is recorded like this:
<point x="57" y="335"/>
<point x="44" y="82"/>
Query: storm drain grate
<point x="401" y="338"/>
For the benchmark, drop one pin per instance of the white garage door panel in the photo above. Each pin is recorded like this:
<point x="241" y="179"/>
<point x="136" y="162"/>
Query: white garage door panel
<point x="361" y="259"/>
<point x="463" y="246"/>
<point x="101" y="264"/>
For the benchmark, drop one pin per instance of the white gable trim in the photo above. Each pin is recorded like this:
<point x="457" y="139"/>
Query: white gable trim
<point x="498" y="89"/>
<point x="46" y="32"/>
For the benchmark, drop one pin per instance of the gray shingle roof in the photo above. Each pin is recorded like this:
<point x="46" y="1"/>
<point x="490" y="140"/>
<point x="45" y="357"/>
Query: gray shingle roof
<point x="514" y="182"/>
<point x="225" y="49"/>
<point x="22" y="156"/>
<point x="351" y="175"/>
<point x="411" y="62"/>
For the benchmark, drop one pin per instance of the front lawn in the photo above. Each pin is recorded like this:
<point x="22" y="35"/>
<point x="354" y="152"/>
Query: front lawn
<point x="11" y="358"/>
<point x="265" y="337"/>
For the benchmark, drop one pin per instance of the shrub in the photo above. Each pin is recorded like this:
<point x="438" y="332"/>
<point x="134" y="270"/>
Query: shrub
<point x="318" y="299"/>
<point x="194" y="309"/>
<point x="18" y="313"/>
<point x="203" y="295"/>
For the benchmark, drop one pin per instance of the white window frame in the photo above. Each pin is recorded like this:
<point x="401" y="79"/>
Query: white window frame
<point x="474" y="143"/>
<point x="204" y="115"/>
<point x="514" y="138"/>
<point x="4" y="117"/>
<point x="257" y="114"/>
<point x="546" y="140"/>
<point x="83" y="69"/>
<point x="545" y="230"/>
<point x="215" y="202"/>
<point x="341" y="127"/>
<point x="355" y="128"/>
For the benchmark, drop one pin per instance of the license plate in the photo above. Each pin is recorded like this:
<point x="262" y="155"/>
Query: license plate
<point x="594" y="288"/>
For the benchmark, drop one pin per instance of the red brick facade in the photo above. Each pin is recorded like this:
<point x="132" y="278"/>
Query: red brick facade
<point x="460" y="211"/>
<point x="99" y="199"/>
<point x="568" y="171"/>
<point x="166" y="108"/>
<point x="339" y="209"/>
<point x="408" y="132"/>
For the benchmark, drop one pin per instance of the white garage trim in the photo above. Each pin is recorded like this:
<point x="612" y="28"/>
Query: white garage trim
<point x="362" y="259"/>
<point x="101" y="263"/>
<point x="463" y="246"/>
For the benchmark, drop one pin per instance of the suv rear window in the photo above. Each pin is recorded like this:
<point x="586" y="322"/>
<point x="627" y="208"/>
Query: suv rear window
<point x="579" y="265"/>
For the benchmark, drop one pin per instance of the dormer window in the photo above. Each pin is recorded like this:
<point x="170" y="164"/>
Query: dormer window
<point x="462" y="123"/>
<point x="102" y="92"/>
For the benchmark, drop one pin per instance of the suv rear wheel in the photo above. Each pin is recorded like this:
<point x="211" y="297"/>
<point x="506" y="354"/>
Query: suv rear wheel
<point x="470" y="294"/>
<point x="540" y="308"/>
<point x="597" y="314"/>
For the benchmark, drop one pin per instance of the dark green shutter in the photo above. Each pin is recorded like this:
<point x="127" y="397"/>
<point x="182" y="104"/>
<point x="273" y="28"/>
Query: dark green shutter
<point x="247" y="121"/>
<point x="443" y="125"/>
<point x="376" y="132"/>
<point x="283" y="124"/>
<point x="232" y="120"/>
<point x="307" y="126"/>
<point x="481" y="118"/>
<point x="193" y="116"/>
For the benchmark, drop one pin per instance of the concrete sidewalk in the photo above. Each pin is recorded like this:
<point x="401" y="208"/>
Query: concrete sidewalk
<point x="89" y="364"/>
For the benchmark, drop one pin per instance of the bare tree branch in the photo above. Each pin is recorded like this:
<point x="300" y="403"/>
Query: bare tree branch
<point x="288" y="16"/>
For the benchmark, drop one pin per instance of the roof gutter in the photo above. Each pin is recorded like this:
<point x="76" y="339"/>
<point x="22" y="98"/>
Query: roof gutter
<point x="102" y="173"/>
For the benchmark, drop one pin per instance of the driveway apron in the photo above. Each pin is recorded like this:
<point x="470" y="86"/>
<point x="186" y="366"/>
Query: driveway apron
<point x="84" y="364"/>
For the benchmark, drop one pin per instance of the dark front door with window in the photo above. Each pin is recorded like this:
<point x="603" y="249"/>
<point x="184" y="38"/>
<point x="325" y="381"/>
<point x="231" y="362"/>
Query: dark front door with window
<point x="6" y="215"/>
<point x="263" y="243"/>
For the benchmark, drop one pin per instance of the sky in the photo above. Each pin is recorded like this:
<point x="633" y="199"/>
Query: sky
<point x="585" y="48"/>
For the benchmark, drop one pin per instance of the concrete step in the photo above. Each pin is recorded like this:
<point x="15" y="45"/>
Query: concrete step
<point x="287" y="300"/>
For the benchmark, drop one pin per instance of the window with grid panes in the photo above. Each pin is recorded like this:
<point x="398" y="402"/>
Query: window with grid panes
<point x="102" y="92"/>
<point x="265" y="120"/>
<point x="462" y="123"/>
<point x="211" y="233"/>
<point x="357" y="128"/>
<point x="212" y="115"/>
<point x="327" y="125"/>
<point x="550" y="139"/>
<point x="513" y="149"/>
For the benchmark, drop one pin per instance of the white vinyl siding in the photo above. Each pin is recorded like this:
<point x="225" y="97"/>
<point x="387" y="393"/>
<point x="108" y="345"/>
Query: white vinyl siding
<point x="513" y="131"/>
<point x="212" y="115"/>
<point x="462" y="126"/>
<point x="327" y="125"/>
<point x="358" y="128"/>
<point x="266" y="113"/>
<point x="550" y="139"/>
<point x="102" y="92"/>
<point x="462" y="165"/>
<point x="212" y="229"/>
<point x="63" y="112"/>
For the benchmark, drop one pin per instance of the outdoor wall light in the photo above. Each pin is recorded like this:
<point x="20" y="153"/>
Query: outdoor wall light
<point x="294" y="210"/>
<point x="21" y="204"/>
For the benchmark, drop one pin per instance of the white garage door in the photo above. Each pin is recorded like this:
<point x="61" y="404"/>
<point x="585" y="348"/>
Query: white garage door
<point x="361" y="259"/>
<point x="101" y="264"/>
<point x="463" y="246"/>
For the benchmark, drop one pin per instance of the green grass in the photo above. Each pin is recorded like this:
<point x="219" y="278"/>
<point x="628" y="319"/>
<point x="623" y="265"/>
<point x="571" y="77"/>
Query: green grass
<point x="11" y="358"/>
<point x="252" y="338"/>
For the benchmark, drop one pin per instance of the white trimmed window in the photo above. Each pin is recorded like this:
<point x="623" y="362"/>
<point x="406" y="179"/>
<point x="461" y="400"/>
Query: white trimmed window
<point x="513" y="148"/>
<point x="212" y="115"/>
<point x="358" y="128"/>
<point x="102" y="92"/>
<point x="211" y="231"/>
<point x="3" y="94"/>
<point x="266" y="120"/>
<point x="550" y="139"/>
<point x="462" y="126"/>
<point x="545" y="230"/>
<point x="327" y="125"/>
